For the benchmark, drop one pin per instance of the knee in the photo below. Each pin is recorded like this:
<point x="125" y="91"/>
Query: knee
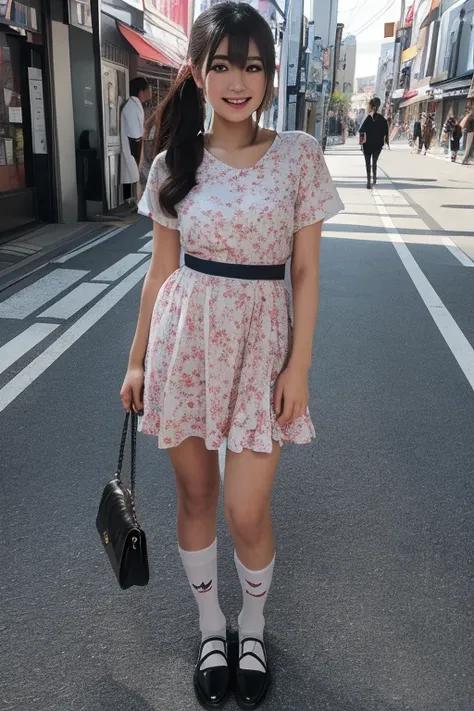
<point x="197" y="501"/>
<point x="247" y="523"/>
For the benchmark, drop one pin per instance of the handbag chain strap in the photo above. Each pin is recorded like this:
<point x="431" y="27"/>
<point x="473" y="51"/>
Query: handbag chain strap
<point x="133" y="457"/>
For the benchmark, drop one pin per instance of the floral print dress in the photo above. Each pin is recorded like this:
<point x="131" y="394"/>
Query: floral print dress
<point x="216" y="344"/>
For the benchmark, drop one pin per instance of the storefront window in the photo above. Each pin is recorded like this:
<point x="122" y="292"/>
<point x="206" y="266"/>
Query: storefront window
<point x="12" y="163"/>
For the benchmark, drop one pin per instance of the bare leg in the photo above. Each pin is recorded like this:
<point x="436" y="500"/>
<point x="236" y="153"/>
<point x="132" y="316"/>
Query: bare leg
<point x="248" y="485"/>
<point x="249" y="478"/>
<point x="197" y="481"/>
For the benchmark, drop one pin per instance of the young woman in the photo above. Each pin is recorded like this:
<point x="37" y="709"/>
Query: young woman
<point x="374" y="135"/>
<point x="221" y="363"/>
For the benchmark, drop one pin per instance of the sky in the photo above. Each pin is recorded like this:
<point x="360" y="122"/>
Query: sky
<point x="355" y="14"/>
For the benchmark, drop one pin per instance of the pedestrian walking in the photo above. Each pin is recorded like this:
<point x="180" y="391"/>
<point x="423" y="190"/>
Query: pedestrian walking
<point x="373" y="136"/>
<point x="213" y="359"/>
<point x="427" y="132"/>
<point x="417" y="137"/>
<point x="468" y="124"/>
<point x="453" y="133"/>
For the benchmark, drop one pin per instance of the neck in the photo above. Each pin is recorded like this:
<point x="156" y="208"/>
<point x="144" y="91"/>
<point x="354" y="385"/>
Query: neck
<point x="230" y="135"/>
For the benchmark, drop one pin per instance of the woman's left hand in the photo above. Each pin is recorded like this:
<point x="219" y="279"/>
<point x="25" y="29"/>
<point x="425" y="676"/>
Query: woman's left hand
<point x="291" y="394"/>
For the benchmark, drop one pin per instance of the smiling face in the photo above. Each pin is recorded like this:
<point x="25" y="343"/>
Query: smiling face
<point x="235" y="91"/>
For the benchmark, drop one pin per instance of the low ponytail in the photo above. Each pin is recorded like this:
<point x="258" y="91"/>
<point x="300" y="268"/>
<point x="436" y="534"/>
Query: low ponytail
<point x="180" y="132"/>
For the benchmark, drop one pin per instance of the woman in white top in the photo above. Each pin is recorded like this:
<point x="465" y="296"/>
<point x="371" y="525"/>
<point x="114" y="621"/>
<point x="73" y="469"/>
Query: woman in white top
<point x="214" y="358"/>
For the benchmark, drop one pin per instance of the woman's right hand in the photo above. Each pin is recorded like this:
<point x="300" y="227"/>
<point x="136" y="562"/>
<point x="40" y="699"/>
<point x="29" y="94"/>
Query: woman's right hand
<point x="131" y="393"/>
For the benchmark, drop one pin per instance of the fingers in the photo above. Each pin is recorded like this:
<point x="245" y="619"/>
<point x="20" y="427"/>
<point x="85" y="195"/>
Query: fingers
<point x="287" y="414"/>
<point x="126" y="398"/>
<point x="278" y="399"/>
<point x="137" y="397"/>
<point x="291" y="411"/>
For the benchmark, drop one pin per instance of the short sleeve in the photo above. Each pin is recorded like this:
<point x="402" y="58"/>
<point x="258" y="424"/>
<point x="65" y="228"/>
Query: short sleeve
<point x="149" y="205"/>
<point x="317" y="197"/>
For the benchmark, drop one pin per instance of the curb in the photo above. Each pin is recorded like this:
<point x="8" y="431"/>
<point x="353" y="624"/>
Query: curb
<point x="46" y="255"/>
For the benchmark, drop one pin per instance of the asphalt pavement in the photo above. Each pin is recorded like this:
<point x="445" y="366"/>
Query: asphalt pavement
<point x="371" y="607"/>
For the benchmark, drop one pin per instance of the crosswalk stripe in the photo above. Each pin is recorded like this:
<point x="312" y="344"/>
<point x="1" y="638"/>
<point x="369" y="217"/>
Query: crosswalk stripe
<point x="24" y="342"/>
<point x="74" y="301"/>
<point x="70" y="255"/>
<point x="36" y="295"/>
<point x="30" y="373"/>
<point x="148" y="247"/>
<point x="120" y="268"/>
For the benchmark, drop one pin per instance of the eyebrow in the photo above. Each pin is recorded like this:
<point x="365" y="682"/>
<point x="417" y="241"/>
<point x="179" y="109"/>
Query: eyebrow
<point x="224" y="56"/>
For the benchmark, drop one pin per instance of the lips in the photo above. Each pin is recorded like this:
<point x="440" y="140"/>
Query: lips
<point x="237" y="103"/>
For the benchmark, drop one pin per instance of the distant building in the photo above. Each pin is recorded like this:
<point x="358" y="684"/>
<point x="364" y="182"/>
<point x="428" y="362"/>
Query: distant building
<point x="366" y="85"/>
<point x="359" y="106"/>
<point x="384" y="79"/>
<point x="345" y="74"/>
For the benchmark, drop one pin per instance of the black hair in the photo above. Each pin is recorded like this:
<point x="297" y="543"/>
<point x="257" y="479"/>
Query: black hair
<point x="180" y="118"/>
<point x="137" y="85"/>
<point x="375" y="103"/>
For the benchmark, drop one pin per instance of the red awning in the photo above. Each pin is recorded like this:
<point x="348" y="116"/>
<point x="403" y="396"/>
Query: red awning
<point x="145" y="47"/>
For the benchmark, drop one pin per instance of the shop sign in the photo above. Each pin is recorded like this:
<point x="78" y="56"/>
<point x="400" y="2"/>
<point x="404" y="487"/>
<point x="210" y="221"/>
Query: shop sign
<point x="410" y="94"/>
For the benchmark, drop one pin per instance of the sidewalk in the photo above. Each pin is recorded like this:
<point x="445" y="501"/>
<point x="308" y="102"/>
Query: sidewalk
<point x="437" y="152"/>
<point x="28" y="251"/>
<point x="433" y="202"/>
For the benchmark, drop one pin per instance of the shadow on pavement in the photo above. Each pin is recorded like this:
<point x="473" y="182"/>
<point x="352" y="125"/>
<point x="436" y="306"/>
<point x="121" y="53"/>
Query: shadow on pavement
<point x="335" y="227"/>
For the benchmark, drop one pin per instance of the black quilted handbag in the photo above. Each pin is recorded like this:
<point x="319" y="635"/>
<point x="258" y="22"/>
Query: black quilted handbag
<point x="121" y="534"/>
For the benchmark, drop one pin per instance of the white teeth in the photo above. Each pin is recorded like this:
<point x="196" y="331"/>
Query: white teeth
<point x="236" y="101"/>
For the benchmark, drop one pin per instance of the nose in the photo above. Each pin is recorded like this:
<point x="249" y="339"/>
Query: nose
<point x="237" y="80"/>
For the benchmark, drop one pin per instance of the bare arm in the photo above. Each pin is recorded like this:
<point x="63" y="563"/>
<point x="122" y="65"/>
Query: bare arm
<point x="291" y="391"/>
<point x="164" y="261"/>
<point x="305" y="282"/>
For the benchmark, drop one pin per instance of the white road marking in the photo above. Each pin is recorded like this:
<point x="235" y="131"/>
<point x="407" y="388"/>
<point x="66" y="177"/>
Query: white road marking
<point x="36" y="295"/>
<point x="452" y="334"/>
<point x="31" y="372"/>
<point x="148" y="234"/>
<point x="446" y="241"/>
<point x="24" y="342"/>
<point x="458" y="253"/>
<point x="148" y="247"/>
<point x="120" y="268"/>
<point x="70" y="255"/>
<point x="222" y="453"/>
<point x="74" y="301"/>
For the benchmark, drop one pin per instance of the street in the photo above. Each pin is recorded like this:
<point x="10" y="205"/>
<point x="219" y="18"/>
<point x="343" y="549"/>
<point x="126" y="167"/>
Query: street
<point x="371" y="605"/>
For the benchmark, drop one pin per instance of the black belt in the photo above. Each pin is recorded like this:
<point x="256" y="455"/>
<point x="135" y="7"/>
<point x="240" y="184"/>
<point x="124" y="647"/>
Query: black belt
<point x="235" y="271"/>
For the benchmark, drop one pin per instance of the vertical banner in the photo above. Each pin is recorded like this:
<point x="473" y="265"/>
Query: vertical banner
<point x="38" y="123"/>
<point x="294" y="23"/>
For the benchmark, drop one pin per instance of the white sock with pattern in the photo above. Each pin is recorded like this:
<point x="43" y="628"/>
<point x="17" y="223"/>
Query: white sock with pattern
<point x="255" y="587"/>
<point x="201" y="569"/>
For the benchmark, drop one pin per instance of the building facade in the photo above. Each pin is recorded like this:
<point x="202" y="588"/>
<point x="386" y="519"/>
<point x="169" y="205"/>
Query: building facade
<point x="345" y="72"/>
<point x="436" y="62"/>
<point x="65" y="67"/>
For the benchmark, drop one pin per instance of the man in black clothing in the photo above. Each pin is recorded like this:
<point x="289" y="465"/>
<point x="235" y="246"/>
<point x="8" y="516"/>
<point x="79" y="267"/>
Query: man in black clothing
<point x="373" y="136"/>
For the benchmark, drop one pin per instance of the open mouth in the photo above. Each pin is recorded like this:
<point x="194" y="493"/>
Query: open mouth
<point x="237" y="103"/>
